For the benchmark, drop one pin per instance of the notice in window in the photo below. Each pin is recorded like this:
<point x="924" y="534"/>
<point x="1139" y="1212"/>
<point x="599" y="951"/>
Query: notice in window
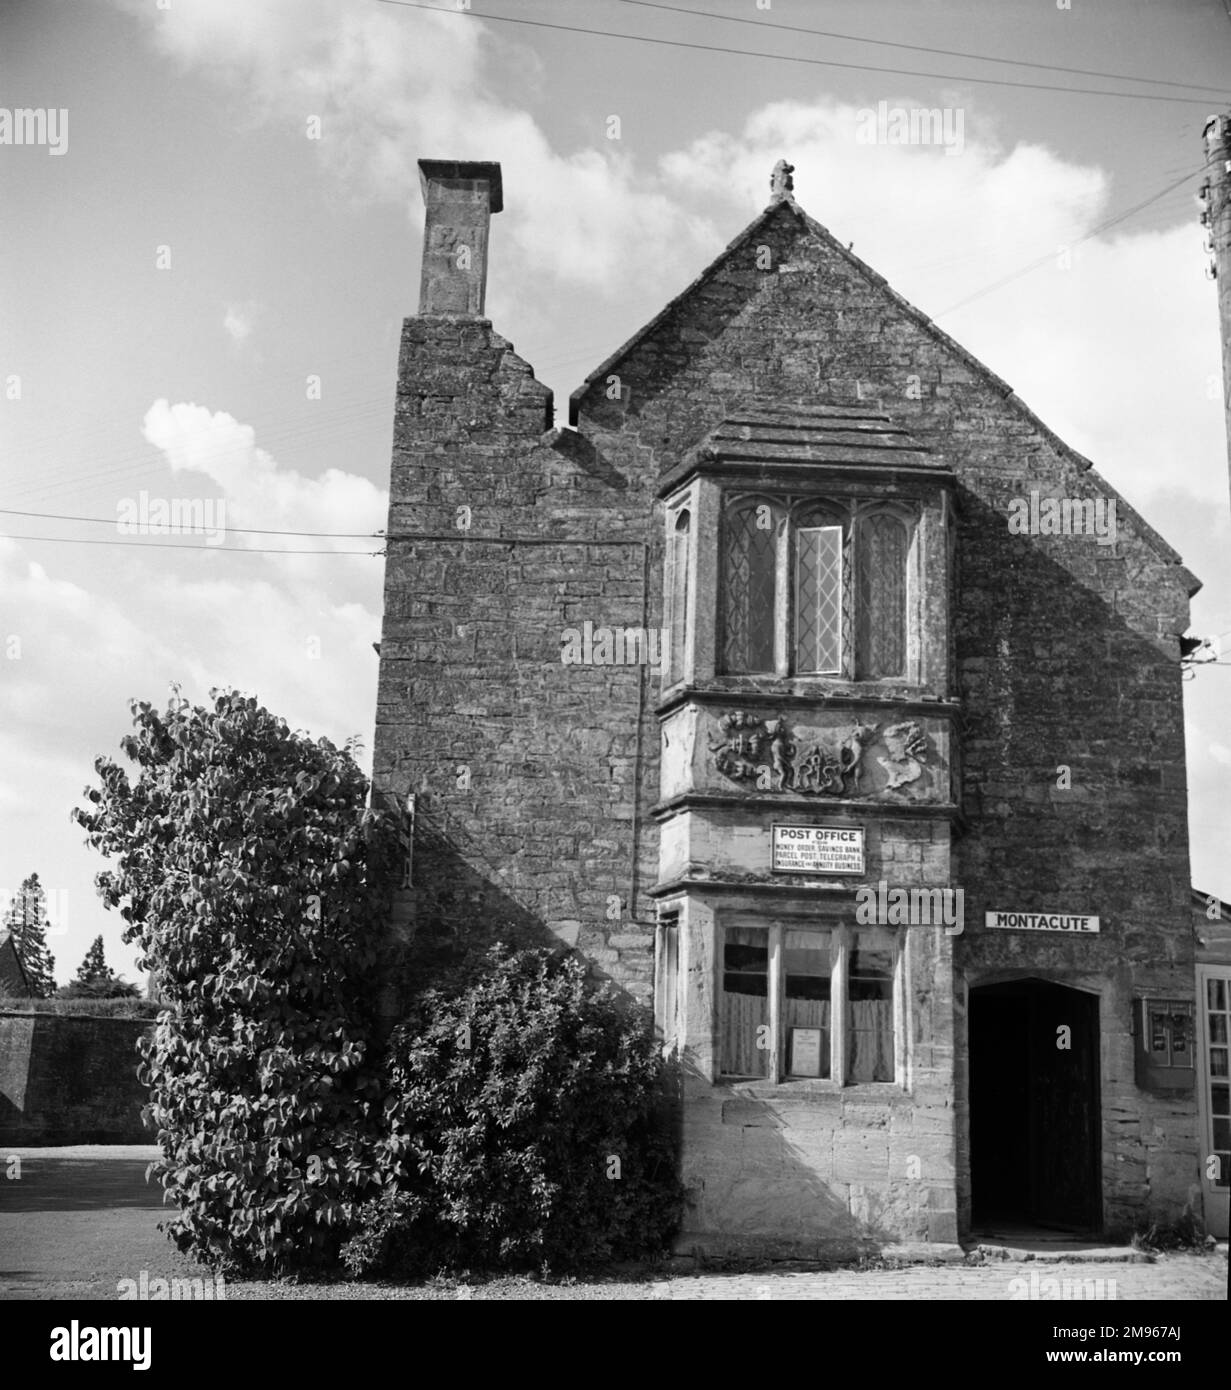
<point x="805" y="1052"/>
<point x="817" y="849"/>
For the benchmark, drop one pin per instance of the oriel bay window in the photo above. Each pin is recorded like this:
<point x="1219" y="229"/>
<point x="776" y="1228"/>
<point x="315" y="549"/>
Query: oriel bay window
<point x="814" y="588"/>
<point x="799" y="1003"/>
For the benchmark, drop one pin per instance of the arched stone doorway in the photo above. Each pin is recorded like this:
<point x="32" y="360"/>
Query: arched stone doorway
<point x="1035" y="1127"/>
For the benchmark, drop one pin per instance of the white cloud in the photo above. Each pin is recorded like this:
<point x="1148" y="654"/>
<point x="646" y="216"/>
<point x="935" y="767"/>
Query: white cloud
<point x="258" y="493"/>
<point x="239" y="321"/>
<point x="296" y="632"/>
<point x="392" y="84"/>
<point x="1104" y="351"/>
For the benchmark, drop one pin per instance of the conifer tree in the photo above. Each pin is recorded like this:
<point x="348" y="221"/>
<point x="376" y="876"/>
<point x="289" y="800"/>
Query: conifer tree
<point x="94" y="969"/>
<point x="26" y="918"/>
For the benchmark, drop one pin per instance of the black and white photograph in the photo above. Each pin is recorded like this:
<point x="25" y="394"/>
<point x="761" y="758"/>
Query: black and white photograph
<point x="686" y="753"/>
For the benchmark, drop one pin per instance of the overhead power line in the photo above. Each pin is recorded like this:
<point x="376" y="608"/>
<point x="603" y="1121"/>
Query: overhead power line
<point x="236" y="530"/>
<point x="1094" y="231"/>
<point x="171" y="545"/>
<point x="797" y="58"/>
<point x="921" y="48"/>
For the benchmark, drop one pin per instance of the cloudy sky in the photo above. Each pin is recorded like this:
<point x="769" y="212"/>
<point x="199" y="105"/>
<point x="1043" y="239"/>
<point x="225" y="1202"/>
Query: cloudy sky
<point x="202" y="293"/>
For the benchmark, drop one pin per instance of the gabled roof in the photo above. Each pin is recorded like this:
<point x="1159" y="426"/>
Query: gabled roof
<point x="787" y="205"/>
<point x="9" y="943"/>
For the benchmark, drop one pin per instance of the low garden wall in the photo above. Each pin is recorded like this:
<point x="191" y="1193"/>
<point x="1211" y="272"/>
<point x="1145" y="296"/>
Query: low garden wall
<point x="70" y="1078"/>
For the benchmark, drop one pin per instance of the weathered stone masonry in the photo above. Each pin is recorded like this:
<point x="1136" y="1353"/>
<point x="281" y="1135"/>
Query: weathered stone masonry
<point x="552" y="799"/>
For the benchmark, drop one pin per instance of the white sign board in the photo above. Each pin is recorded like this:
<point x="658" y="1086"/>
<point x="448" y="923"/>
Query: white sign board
<point x="1041" y="921"/>
<point x="817" y="849"/>
<point x="805" y="1052"/>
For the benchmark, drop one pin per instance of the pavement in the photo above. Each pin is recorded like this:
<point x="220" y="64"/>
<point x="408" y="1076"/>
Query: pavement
<point x="75" y="1222"/>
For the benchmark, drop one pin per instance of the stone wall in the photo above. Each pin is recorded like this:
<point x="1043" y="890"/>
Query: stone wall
<point x="70" y="1079"/>
<point x="533" y="778"/>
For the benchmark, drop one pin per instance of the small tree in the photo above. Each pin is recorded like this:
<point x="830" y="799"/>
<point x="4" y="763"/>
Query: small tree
<point x="94" y="969"/>
<point x="95" y="979"/>
<point x="26" y="918"/>
<point x="256" y="884"/>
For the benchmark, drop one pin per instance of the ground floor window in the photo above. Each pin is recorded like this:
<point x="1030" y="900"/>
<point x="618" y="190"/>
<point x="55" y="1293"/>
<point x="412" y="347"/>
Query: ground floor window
<point x="798" y="1002"/>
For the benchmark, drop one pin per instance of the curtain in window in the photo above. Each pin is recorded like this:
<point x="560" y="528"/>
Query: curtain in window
<point x="881" y="641"/>
<point x="745" y="1001"/>
<point x="749" y="576"/>
<point x="869" y="1015"/>
<point x="869" y="1045"/>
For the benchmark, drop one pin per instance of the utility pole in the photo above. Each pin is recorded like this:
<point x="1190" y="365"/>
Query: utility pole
<point x="1216" y="218"/>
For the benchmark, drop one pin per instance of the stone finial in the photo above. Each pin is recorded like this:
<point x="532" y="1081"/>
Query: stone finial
<point x="781" y="184"/>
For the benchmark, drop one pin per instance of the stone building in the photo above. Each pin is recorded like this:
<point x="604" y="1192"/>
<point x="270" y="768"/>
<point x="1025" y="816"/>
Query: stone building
<point x="14" y="977"/>
<point x="1212" y="930"/>
<point x="829" y="703"/>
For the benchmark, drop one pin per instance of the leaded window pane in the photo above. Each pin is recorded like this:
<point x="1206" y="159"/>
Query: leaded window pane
<point x="881" y="599"/>
<point x="818" y="599"/>
<point x="749" y="569"/>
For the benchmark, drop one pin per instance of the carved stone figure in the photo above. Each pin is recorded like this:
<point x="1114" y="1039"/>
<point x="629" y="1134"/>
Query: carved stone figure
<point x="781" y="184"/>
<point x="781" y="751"/>
<point x="764" y="751"/>
<point x="907" y="746"/>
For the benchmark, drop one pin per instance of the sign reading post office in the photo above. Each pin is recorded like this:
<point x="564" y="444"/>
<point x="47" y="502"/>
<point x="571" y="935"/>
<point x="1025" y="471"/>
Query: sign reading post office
<point x="817" y="849"/>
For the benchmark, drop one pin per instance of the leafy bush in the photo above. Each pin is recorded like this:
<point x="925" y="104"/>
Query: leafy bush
<point x="255" y="882"/>
<point x="525" y="1126"/>
<point x="98" y="989"/>
<point x="83" y="1007"/>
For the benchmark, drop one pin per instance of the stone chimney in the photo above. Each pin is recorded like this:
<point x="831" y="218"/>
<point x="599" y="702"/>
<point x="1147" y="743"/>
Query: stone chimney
<point x="460" y="197"/>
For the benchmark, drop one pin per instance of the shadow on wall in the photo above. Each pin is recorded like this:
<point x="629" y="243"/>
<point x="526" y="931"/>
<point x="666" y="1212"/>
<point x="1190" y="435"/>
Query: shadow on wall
<point x="458" y="913"/>
<point x="790" y="1179"/>
<point x="1074" y="797"/>
<point x="71" y="1079"/>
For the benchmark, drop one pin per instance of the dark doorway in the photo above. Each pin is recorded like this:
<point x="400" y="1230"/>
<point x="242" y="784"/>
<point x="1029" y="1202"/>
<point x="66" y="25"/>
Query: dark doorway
<point x="1034" y="1106"/>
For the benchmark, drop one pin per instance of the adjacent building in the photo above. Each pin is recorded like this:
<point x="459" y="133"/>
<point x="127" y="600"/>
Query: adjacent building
<point x="830" y="704"/>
